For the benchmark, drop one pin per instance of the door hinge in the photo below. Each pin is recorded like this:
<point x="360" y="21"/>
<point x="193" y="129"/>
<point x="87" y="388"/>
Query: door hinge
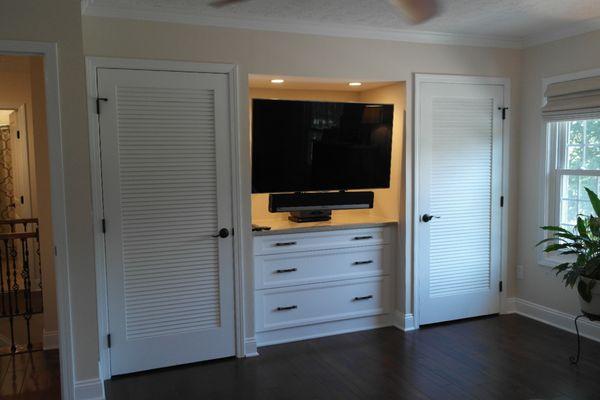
<point x="98" y="100"/>
<point x="108" y="341"/>
<point x="500" y="286"/>
<point x="103" y="225"/>
<point x="22" y="199"/>
<point x="501" y="201"/>
<point x="503" y="109"/>
<point x="18" y="134"/>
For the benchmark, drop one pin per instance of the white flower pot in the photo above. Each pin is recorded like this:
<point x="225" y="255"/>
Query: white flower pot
<point x="593" y="307"/>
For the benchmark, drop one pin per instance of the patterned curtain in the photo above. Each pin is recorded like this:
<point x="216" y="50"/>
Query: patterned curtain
<point x="7" y="210"/>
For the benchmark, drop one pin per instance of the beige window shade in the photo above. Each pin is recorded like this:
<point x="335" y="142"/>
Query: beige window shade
<point x="576" y="99"/>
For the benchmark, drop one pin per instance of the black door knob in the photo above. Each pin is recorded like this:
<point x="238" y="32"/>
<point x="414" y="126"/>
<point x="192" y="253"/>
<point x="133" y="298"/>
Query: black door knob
<point x="427" y="217"/>
<point x="223" y="233"/>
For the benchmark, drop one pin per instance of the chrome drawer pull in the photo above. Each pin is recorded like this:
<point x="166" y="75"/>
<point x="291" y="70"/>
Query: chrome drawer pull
<point x="362" y="262"/>
<point x="286" y="308"/>
<point x="283" y="271"/>
<point x="280" y="244"/>
<point x="362" y="237"/>
<point x="363" y="298"/>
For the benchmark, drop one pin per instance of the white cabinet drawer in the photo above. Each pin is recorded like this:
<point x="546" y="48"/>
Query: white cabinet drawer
<point x="277" y="270"/>
<point x="311" y="304"/>
<point x="320" y="240"/>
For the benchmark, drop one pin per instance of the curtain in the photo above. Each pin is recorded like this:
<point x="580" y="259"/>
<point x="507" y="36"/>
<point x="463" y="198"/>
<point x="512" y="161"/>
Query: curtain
<point x="7" y="210"/>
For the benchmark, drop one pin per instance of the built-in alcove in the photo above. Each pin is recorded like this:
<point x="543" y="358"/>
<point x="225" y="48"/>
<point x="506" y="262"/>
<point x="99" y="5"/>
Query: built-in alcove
<point x="388" y="203"/>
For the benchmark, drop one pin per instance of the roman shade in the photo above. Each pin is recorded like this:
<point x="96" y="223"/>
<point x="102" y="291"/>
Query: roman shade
<point x="576" y="99"/>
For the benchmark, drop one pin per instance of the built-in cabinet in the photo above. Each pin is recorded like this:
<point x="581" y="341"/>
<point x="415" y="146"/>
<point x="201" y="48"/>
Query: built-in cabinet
<point x="322" y="281"/>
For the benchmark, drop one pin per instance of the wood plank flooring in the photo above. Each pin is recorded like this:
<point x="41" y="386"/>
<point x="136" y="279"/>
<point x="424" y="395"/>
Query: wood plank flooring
<point x="30" y="376"/>
<point x="507" y="357"/>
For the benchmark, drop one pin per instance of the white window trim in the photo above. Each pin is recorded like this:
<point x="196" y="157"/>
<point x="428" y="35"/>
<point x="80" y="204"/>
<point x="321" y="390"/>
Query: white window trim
<point x="550" y="179"/>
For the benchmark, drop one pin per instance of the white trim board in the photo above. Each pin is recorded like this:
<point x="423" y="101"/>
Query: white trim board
<point x="404" y="322"/>
<point x="58" y="204"/>
<point x="186" y="16"/>
<point x="89" y="389"/>
<point x="92" y="64"/>
<point x="50" y="340"/>
<point x="557" y="319"/>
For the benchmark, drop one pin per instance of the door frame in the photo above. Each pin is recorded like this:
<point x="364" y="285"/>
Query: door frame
<point x="231" y="70"/>
<point x="419" y="79"/>
<point x="49" y="52"/>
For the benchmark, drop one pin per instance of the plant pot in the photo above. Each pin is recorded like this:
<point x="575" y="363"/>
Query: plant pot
<point x="593" y="307"/>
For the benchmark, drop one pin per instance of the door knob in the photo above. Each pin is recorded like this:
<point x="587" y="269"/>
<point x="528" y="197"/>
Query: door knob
<point x="223" y="233"/>
<point x="427" y="217"/>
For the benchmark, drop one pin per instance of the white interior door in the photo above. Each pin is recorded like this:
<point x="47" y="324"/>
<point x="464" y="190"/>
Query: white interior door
<point x="166" y="190"/>
<point x="20" y="163"/>
<point x="459" y="227"/>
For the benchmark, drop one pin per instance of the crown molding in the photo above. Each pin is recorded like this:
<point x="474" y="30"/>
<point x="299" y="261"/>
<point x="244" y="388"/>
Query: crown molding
<point x="91" y="8"/>
<point x="579" y="28"/>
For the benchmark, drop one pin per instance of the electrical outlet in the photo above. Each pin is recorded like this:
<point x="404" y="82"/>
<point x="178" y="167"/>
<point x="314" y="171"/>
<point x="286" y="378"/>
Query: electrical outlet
<point x="520" y="272"/>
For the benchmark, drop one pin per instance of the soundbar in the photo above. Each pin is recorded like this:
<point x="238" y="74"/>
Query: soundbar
<point x="309" y="207"/>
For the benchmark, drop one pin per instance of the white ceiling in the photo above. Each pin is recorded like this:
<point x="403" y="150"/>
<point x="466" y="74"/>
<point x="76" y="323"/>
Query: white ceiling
<point x="497" y="21"/>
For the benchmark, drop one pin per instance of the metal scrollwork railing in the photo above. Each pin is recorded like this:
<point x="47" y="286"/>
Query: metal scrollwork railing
<point x="19" y="297"/>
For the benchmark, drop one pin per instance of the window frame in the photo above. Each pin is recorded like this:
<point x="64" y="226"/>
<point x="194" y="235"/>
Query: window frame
<point x="551" y="174"/>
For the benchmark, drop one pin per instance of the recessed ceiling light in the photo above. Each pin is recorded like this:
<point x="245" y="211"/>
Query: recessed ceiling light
<point x="277" y="81"/>
<point x="355" y="84"/>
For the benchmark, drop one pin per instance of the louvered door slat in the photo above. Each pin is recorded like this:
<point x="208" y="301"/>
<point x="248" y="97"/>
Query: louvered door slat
<point x="460" y="165"/>
<point x="167" y="191"/>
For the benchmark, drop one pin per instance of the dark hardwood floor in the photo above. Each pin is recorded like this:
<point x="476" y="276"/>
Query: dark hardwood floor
<point x="30" y="376"/>
<point x="506" y="357"/>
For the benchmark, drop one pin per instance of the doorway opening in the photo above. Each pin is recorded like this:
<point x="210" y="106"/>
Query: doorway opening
<point x="28" y="311"/>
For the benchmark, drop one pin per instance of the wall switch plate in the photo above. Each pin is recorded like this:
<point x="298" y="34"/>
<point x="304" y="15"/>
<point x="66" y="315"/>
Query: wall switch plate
<point x="520" y="272"/>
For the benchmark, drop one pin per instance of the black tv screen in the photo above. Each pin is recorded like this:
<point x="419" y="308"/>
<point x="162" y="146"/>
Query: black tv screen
<point x="300" y="146"/>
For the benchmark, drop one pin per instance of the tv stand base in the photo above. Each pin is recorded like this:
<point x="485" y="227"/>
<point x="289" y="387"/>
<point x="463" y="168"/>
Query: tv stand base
<point x="310" y="216"/>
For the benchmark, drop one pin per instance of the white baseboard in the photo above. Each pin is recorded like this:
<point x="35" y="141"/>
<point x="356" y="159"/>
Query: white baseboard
<point x="50" y="340"/>
<point x="250" y="347"/>
<point x="323" y="329"/>
<point x="558" y="319"/>
<point x="509" y="306"/>
<point x="89" y="389"/>
<point x="404" y="322"/>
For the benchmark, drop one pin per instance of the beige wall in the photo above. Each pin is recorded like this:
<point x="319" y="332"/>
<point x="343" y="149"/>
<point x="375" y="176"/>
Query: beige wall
<point x="59" y="21"/>
<point x="574" y="54"/>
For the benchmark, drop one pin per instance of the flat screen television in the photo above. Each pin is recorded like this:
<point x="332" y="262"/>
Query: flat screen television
<point x="300" y="146"/>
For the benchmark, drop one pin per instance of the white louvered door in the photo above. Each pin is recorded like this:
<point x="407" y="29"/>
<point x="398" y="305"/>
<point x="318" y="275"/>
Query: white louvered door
<point x="166" y="179"/>
<point x="460" y="163"/>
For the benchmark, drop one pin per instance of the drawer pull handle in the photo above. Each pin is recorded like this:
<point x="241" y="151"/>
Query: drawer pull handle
<point x="362" y="262"/>
<point x="363" y="298"/>
<point x="287" y="308"/>
<point x="362" y="237"/>
<point x="281" y="244"/>
<point x="283" y="271"/>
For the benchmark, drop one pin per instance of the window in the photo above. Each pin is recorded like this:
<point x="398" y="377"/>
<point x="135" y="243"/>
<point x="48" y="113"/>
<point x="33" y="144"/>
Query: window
<point x="574" y="166"/>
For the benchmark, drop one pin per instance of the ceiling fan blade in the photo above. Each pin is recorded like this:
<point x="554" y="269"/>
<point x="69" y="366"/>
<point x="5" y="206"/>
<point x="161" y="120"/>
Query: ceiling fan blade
<point x="417" y="10"/>
<point x="223" y="3"/>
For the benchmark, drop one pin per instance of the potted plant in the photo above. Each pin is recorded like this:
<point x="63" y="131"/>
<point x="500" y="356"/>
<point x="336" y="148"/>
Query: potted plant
<point x="582" y="247"/>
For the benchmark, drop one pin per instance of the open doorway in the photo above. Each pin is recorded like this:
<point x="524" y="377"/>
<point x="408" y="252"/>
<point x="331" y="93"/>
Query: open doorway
<point x="28" y="316"/>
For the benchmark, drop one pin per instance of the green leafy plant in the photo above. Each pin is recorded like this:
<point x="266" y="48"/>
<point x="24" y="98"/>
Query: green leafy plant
<point x="582" y="245"/>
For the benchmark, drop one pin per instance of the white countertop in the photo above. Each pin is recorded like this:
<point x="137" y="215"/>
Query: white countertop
<point x="346" y="221"/>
